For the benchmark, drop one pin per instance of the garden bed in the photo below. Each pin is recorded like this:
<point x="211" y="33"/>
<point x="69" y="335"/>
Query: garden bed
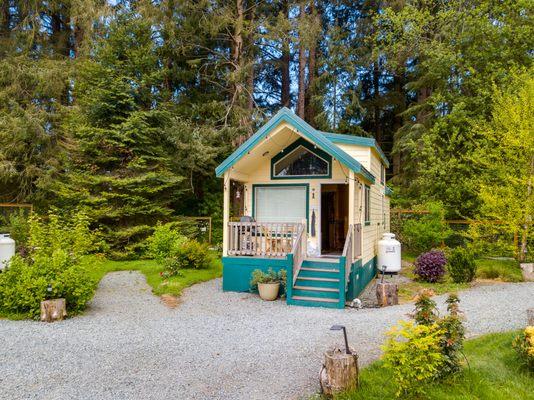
<point x="489" y="271"/>
<point x="493" y="372"/>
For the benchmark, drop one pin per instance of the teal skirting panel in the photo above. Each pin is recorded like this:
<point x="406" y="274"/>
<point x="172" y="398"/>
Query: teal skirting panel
<point x="359" y="277"/>
<point x="237" y="271"/>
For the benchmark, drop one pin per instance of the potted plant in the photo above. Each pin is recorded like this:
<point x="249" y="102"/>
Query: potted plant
<point x="268" y="283"/>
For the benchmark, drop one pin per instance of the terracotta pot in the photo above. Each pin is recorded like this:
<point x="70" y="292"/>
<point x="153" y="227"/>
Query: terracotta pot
<point x="269" y="291"/>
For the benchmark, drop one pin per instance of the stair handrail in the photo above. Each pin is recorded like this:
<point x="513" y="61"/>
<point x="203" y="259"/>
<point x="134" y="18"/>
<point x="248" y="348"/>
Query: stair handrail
<point x="299" y="251"/>
<point x="347" y="254"/>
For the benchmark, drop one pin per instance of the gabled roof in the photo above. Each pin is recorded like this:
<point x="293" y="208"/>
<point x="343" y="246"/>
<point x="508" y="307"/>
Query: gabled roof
<point x="359" y="141"/>
<point x="304" y="129"/>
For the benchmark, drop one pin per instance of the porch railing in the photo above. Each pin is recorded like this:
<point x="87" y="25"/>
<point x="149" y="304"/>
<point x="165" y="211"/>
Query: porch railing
<point x="357" y="251"/>
<point x="261" y="239"/>
<point x="347" y="254"/>
<point x="351" y="250"/>
<point x="299" y="251"/>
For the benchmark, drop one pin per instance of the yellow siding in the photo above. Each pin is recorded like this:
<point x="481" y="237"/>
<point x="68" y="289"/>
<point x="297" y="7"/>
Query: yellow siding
<point x="255" y="169"/>
<point x="379" y="206"/>
<point x="360" y="153"/>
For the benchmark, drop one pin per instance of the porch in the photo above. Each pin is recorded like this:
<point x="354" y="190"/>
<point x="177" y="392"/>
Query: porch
<point x="311" y="281"/>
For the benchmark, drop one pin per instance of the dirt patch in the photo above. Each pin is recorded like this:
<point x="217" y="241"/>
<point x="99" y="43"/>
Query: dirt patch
<point x="169" y="300"/>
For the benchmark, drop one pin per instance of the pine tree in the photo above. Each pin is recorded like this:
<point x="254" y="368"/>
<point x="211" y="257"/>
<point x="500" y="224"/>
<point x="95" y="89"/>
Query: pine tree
<point x="121" y="169"/>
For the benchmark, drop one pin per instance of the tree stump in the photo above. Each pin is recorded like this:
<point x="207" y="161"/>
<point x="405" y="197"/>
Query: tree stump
<point x="530" y="316"/>
<point x="527" y="270"/>
<point x="339" y="372"/>
<point x="53" y="310"/>
<point x="387" y="294"/>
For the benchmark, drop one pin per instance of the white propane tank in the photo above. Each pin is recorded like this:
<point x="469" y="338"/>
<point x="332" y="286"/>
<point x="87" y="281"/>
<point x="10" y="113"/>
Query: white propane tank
<point x="389" y="254"/>
<point x="7" y="249"/>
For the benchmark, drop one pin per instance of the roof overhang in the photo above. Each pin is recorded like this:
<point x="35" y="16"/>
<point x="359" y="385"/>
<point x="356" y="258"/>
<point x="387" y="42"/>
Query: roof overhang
<point x="303" y="129"/>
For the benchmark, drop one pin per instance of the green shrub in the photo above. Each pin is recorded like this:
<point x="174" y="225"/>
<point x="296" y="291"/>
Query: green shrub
<point x="164" y="242"/>
<point x="413" y="353"/>
<point x="189" y="255"/>
<point x="51" y="269"/>
<point x="524" y="346"/>
<point x="427" y="231"/>
<point x="461" y="265"/>
<point x="271" y="276"/>
<point x="503" y="270"/>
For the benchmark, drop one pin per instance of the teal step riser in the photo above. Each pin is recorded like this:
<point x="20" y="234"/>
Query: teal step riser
<point x="306" y="303"/>
<point x="319" y="274"/>
<point x="315" y="293"/>
<point x="316" y="264"/>
<point x="320" y="284"/>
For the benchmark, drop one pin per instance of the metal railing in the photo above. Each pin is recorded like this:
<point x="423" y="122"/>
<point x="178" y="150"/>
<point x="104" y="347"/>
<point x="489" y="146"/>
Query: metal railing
<point x="299" y="251"/>
<point x="262" y="239"/>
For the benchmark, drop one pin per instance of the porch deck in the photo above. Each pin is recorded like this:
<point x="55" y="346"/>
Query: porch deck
<point x="311" y="281"/>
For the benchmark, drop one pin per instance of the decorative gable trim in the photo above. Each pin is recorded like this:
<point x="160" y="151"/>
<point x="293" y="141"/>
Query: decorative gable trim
<point x="305" y="130"/>
<point x="309" y="146"/>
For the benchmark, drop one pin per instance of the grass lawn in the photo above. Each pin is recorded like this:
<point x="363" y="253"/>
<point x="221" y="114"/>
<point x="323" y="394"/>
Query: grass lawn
<point x="499" y="270"/>
<point x="98" y="267"/>
<point x="494" y="373"/>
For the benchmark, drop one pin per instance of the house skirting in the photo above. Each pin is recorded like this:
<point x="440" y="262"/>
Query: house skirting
<point x="237" y="271"/>
<point x="359" y="278"/>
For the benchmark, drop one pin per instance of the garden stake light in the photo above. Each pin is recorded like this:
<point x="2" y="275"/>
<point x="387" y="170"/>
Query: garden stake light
<point x="339" y="328"/>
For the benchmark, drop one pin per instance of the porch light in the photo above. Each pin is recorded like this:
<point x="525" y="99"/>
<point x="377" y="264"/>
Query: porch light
<point x="339" y="328"/>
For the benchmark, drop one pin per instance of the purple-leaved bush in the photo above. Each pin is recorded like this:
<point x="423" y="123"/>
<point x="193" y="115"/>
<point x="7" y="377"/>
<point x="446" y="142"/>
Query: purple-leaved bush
<point x="430" y="266"/>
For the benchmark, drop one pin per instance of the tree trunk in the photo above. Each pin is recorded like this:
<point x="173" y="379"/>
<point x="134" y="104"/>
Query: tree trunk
<point x="301" y="100"/>
<point x="387" y="294"/>
<point x="5" y="24"/>
<point x="285" y="95"/>
<point x="53" y="310"/>
<point x="312" y="66"/>
<point x="376" y="107"/>
<point x="398" y="121"/>
<point x="339" y="373"/>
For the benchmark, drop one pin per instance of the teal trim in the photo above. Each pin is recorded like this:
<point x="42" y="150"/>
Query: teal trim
<point x="358" y="141"/>
<point x="388" y="191"/>
<point x="312" y="148"/>
<point x="306" y="185"/>
<point x="360" y="277"/>
<point x="237" y="271"/>
<point x="342" y="281"/>
<point x="304" y="129"/>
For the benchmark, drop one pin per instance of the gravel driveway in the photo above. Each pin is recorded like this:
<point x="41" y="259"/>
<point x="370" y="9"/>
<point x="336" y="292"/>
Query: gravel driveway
<point x="214" y="345"/>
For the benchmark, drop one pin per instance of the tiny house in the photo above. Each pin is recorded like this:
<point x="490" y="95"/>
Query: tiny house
<point x="310" y="202"/>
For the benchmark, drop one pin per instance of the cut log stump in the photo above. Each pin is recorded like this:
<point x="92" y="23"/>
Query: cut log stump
<point x="387" y="294"/>
<point x="530" y="316"/>
<point x="339" y="372"/>
<point x="53" y="310"/>
<point x="527" y="270"/>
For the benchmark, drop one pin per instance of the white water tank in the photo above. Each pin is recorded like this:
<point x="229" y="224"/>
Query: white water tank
<point x="7" y="249"/>
<point x="389" y="254"/>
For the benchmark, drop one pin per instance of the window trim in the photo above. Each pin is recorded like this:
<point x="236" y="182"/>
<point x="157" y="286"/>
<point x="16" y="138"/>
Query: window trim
<point x="367" y="205"/>
<point x="308" y="146"/>
<point x="382" y="174"/>
<point x="305" y="185"/>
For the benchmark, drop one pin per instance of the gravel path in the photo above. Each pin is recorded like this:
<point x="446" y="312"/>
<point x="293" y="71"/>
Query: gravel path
<point x="214" y="345"/>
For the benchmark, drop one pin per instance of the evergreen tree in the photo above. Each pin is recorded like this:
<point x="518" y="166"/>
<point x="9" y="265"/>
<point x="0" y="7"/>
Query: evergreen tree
<point x="122" y="166"/>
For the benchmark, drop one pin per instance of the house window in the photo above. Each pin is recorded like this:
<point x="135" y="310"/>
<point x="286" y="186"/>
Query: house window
<point x="382" y="174"/>
<point x="280" y="203"/>
<point x="301" y="159"/>
<point x="367" y="205"/>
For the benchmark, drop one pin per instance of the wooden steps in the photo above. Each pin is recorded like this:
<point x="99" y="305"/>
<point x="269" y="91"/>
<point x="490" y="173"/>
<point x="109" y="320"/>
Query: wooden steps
<point x="317" y="284"/>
